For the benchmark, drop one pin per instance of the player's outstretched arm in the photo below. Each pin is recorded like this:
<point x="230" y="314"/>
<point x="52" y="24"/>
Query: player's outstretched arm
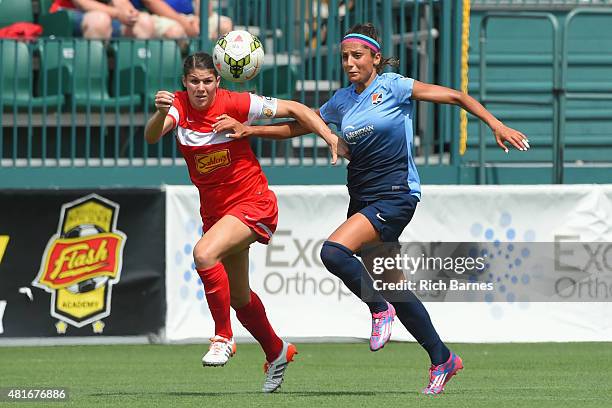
<point x="160" y="123"/>
<point x="440" y="94"/>
<point x="311" y="121"/>
<point x="277" y="131"/>
<point x="307" y="121"/>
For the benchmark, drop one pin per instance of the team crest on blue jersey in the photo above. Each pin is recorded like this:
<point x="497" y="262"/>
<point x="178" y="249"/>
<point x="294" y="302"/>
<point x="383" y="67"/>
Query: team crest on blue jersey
<point x="377" y="98"/>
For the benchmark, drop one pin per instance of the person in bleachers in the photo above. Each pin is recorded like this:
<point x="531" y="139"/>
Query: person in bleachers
<point x="181" y="18"/>
<point x="95" y="19"/>
<point x="344" y="7"/>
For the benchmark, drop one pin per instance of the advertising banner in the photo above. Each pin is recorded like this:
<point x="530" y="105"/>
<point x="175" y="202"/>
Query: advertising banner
<point x="81" y="263"/>
<point x="297" y="291"/>
<point x="304" y="300"/>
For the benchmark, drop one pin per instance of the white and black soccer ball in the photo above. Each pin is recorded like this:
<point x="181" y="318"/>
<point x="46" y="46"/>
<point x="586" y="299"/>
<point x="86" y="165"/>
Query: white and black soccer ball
<point x="84" y="230"/>
<point x="88" y="284"/>
<point x="238" y="56"/>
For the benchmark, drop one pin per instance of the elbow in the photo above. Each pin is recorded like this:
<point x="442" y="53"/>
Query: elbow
<point x="458" y="98"/>
<point x="149" y="138"/>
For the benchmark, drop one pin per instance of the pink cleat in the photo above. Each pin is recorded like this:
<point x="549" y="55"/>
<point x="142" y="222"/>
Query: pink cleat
<point x="382" y="323"/>
<point x="439" y="375"/>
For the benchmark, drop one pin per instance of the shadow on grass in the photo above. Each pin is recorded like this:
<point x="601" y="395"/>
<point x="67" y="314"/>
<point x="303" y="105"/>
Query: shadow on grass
<point x="237" y="393"/>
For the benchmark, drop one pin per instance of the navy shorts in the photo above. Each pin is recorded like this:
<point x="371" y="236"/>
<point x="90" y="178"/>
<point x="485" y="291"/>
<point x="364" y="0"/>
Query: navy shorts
<point x="388" y="215"/>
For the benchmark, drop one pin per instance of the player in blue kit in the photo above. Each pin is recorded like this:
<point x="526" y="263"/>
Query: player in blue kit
<point x="374" y="115"/>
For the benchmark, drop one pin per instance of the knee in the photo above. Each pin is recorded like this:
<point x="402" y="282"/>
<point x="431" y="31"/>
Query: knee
<point x="334" y="254"/>
<point x="225" y="25"/>
<point x="205" y="256"/>
<point x="144" y="27"/>
<point x="97" y="25"/>
<point x="175" y="31"/>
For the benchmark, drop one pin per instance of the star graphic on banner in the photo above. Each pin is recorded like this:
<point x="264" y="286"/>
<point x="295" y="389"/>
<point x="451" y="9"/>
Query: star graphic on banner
<point x="98" y="327"/>
<point x="61" y="327"/>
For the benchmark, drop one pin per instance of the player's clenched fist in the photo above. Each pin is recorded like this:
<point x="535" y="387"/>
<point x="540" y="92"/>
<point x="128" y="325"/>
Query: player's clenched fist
<point x="163" y="101"/>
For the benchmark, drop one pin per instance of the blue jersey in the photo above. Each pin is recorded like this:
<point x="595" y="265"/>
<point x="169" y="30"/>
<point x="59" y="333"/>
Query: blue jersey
<point x="377" y="126"/>
<point x="180" y="6"/>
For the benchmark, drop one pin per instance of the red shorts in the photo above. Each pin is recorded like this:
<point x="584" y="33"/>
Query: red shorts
<point x="259" y="214"/>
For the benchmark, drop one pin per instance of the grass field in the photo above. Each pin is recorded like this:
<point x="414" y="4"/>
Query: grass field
<point x="324" y="375"/>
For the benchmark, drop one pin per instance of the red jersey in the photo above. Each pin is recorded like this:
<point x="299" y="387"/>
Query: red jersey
<point x="225" y="171"/>
<point x="61" y="4"/>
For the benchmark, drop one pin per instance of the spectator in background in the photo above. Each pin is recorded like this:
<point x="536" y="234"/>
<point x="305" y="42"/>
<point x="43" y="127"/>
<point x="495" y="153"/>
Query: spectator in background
<point x="344" y="7"/>
<point x="217" y="25"/>
<point x="181" y="18"/>
<point x="95" y="19"/>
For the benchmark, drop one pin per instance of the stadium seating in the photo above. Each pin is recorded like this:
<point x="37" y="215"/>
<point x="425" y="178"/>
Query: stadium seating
<point x="84" y="73"/>
<point x="17" y="78"/>
<point x="144" y="67"/>
<point x="58" y="24"/>
<point x="279" y="81"/>
<point x="12" y="11"/>
<point x="76" y="77"/>
<point x="519" y="65"/>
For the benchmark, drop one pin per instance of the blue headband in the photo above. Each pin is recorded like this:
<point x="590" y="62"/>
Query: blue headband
<point x="363" y="39"/>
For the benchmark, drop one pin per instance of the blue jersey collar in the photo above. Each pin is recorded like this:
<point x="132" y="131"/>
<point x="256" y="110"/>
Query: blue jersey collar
<point x="366" y="92"/>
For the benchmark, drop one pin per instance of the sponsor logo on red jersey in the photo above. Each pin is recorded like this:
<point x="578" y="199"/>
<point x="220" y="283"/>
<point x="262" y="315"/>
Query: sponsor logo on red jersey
<point x="209" y="162"/>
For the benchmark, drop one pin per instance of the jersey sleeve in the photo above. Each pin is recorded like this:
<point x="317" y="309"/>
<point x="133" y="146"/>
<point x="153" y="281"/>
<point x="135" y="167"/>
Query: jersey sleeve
<point x="402" y="88"/>
<point x="261" y="107"/>
<point x="329" y="112"/>
<point x="176" y="111"/>
<point x="249" y="107"/>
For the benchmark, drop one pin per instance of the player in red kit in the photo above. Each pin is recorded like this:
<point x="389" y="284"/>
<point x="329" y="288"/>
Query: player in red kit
<point x="236" y="206"/>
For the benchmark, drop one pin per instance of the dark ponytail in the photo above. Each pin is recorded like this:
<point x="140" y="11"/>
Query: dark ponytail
<point x="369" y="30"/>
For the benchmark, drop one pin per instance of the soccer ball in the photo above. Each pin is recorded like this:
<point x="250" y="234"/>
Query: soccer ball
<point x="238" y="56"/>
<point x="83" y="231"/>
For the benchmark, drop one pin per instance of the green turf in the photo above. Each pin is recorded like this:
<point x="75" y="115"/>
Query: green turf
<point x="324" y="375"/>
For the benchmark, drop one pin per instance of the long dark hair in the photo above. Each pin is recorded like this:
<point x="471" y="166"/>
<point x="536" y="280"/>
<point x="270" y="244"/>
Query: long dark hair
<point x="198" y="60"/>
<point x="371" y="31"/>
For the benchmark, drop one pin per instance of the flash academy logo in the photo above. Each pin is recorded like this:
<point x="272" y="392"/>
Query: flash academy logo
<point x="82" y="262"/>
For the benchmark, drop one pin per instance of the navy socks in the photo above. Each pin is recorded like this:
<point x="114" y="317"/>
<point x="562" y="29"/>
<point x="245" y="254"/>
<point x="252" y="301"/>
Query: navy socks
<point x="413" y="315"/>
<point x="341" y="261"/>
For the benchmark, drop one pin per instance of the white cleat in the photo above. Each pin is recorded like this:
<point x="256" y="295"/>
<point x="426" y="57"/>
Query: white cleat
<point x="219" y="352"/>
<point x="275" y="371"/>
